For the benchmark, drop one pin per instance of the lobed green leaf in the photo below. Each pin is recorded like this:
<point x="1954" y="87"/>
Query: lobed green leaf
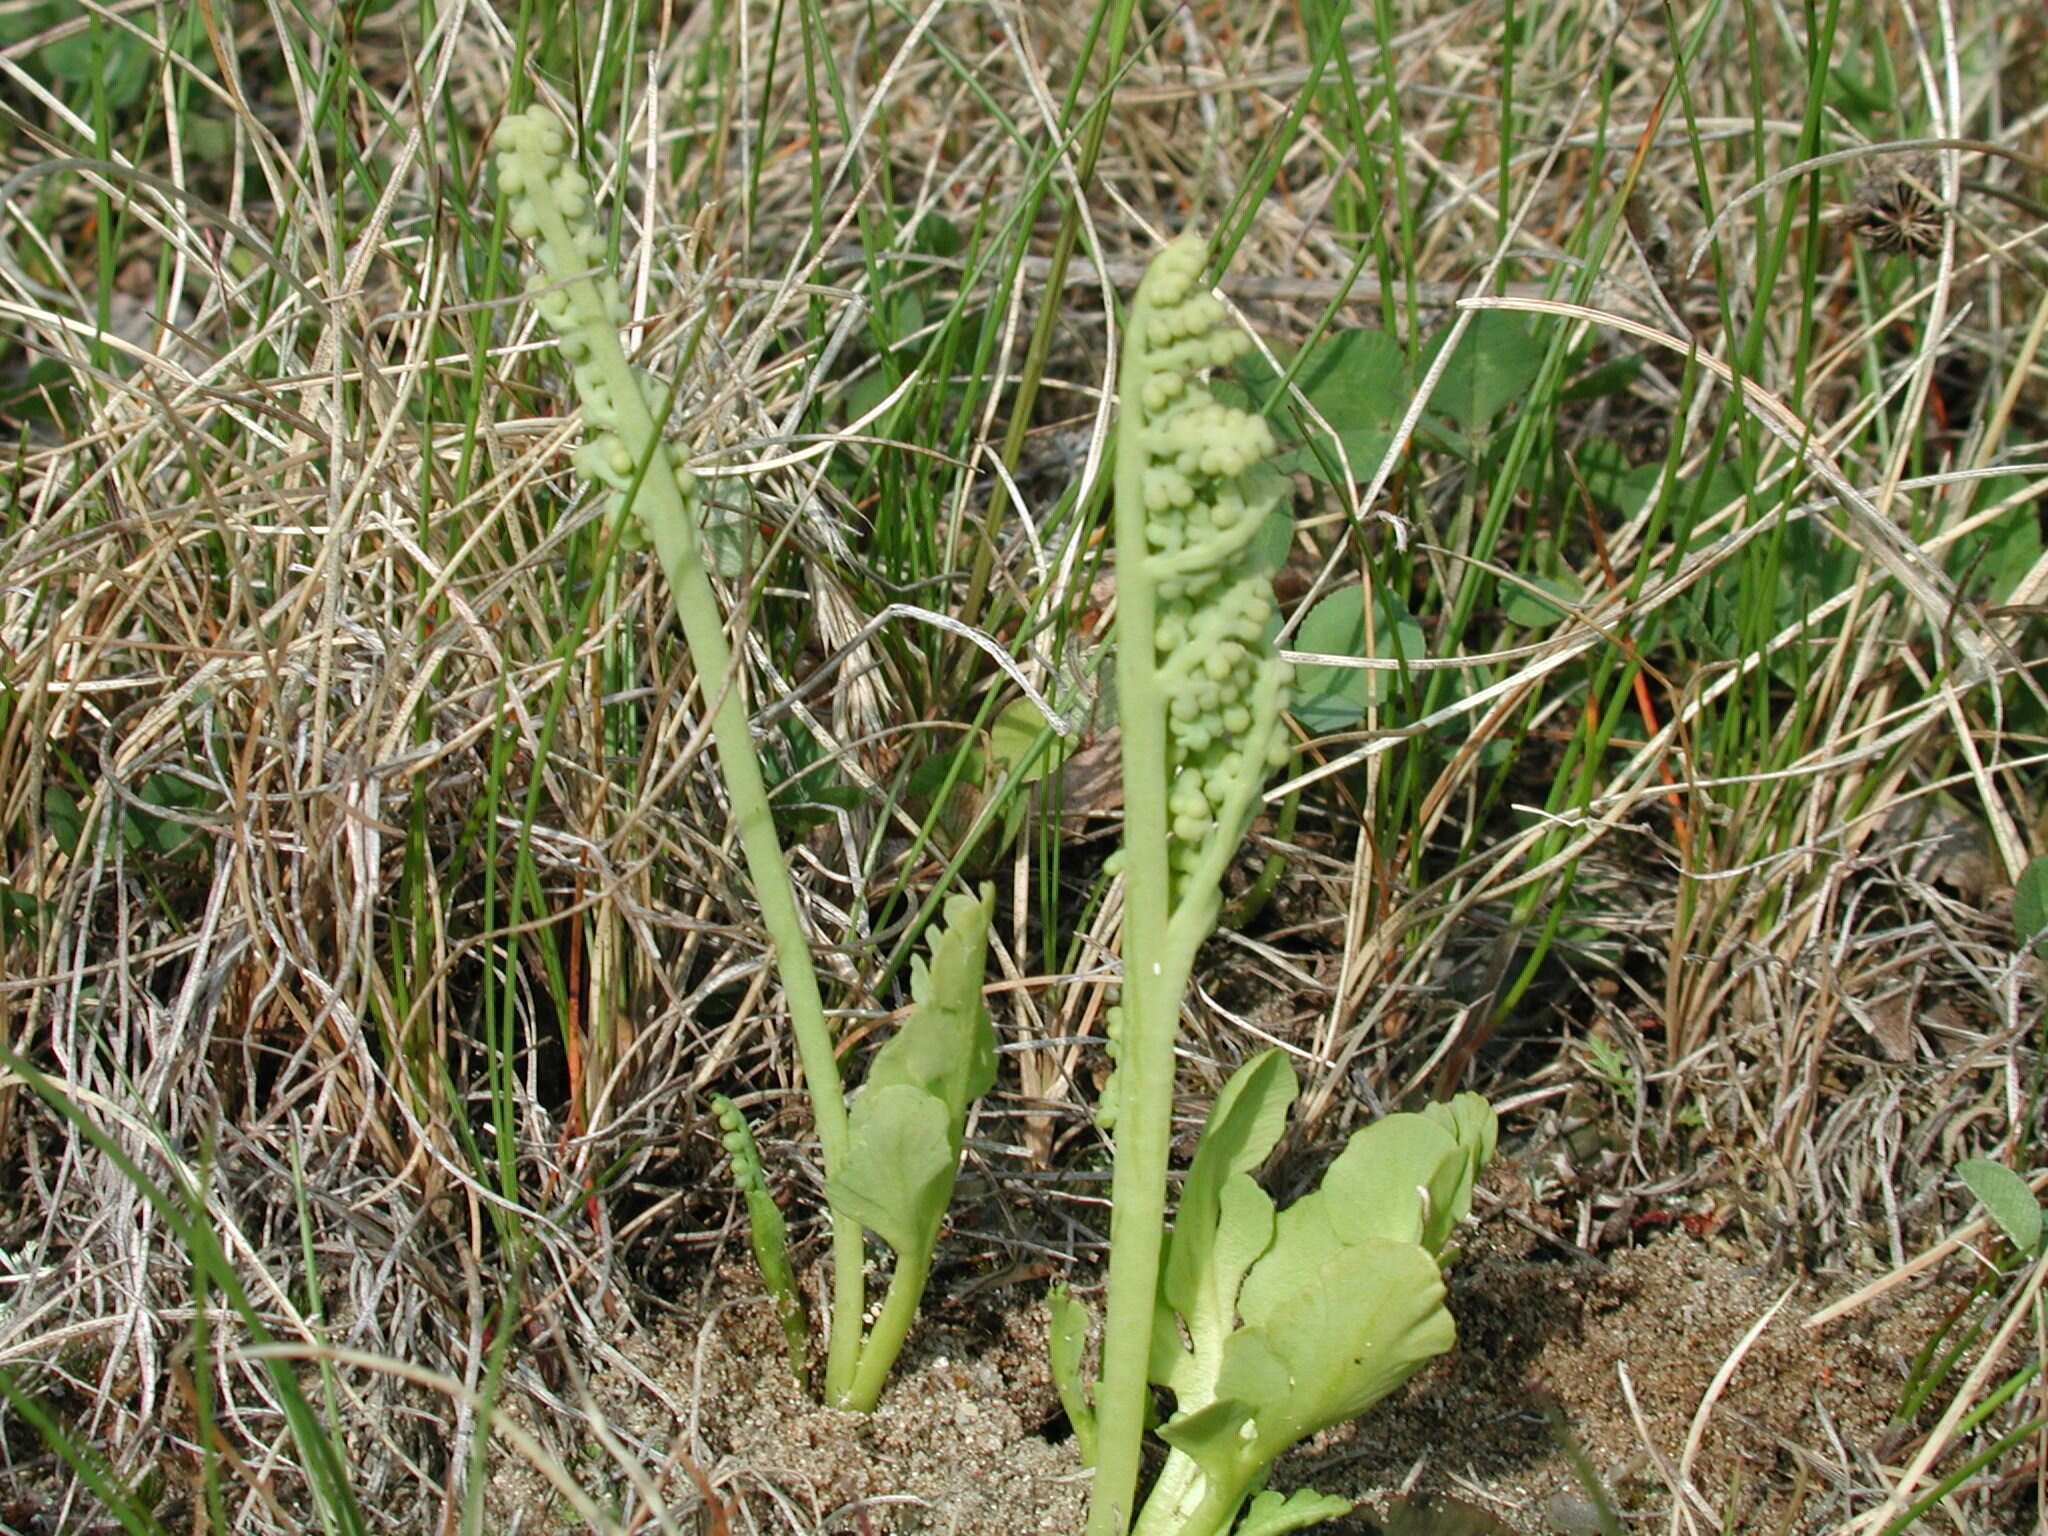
<point x="907" y="1127"/>
<point x="1271" y="1327"/>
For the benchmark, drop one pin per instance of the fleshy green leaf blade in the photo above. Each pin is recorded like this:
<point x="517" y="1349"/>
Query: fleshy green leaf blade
<point x="1393" y="1182"/>
<point x="2008" y="1198"/>
<point x="907" y="1124"/>
<point x="1339" y="1340"/>
<point x="946" y="1046"/>
<point x="1390" y="1177"/>
<point x="1015" y="732"/>
<point x="1245" y="1125"/>
<point x="1212" y="1438"/>
<point x="1204" y="1304"/>
<point x="899" y="1168"/>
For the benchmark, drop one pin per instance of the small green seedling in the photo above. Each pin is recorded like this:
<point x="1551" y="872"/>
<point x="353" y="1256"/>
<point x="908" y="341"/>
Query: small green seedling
<point x="890" y="1162"/>
<point x="769" y="1235"/>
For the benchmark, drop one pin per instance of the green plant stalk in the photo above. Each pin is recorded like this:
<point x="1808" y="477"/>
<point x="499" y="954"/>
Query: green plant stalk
<point x="1178" y="455"/>
<point x="1155" y="977"/>
<point x="586" y="318"/>
<point x="1184" y="1500"/>
<point x="907" y="1282"/>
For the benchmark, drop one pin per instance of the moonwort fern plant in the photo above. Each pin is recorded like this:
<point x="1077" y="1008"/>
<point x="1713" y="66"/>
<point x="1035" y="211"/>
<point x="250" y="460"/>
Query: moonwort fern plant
<point x="1266" y="1326"/>
<point x="890" y="1160"/>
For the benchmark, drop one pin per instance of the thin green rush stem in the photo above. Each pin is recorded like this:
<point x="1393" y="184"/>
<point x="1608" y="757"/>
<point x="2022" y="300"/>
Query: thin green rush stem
<point x="663" y="508"/>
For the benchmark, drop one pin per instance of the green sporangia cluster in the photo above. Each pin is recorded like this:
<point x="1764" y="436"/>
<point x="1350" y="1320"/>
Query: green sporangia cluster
<point x="550" y="204"/>
<point x="768" y="1232"/>
<point x="1214" y="529"/>
<point x="1208" y="494"/>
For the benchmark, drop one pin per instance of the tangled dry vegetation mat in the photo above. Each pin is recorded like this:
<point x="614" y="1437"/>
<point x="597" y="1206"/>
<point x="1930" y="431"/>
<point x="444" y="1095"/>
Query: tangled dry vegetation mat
<point x="365" y="881"/>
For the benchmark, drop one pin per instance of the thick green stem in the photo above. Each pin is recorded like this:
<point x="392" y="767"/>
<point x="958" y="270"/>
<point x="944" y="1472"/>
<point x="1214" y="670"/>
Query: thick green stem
<point x="1152" y="990"/>
<point x="675" y="545"/>
<point x="892" y="1327"/>
<point x="1184" y="1502"/>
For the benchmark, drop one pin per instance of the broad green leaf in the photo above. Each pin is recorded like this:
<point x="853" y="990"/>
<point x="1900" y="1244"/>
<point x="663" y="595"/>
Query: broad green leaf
<point x="1387" y="1183"/>
<point x="962" y="764"/>
<point x="1244" y="1126"/>
<point x="121" y="63"/>
<point x="1015" y="732"/>
<point x="63" y="816"/>
<point x="1358" y="383"/>
<point x="171" y="833"/>
<point x="1271" y="1514"/>
<point x="2030" y="907"/>
<point x="1497" y="360"/>
<point x="946" y="1047"/>
<point x="899" y="1167"/>
<point x="1337" y="1341"/>
<point x="1474" y="1126"/>
<point x="1205" y="1300"/>
<point x="1554" y="598"/>
<point x="907" y="1125"/>
<point x="1336" y="698"/>
<point x="2007" y="1197"/>
<point x="1609" y="479"/>
<point x="1320" y="1311"/>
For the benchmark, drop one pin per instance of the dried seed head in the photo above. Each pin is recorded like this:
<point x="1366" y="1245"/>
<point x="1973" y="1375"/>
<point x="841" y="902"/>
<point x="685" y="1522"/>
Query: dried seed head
<point x="1896" y="211"/>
